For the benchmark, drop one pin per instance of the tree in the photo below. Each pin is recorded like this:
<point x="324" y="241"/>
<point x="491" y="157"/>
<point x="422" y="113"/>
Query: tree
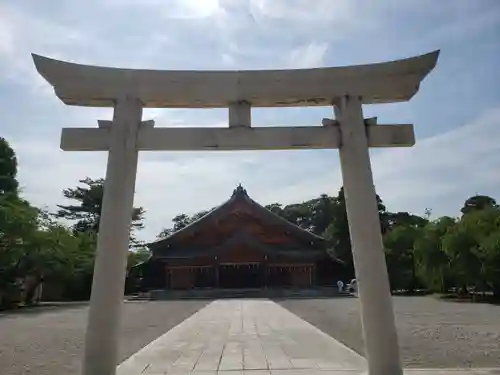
<point x="276" y="208"/>
<point x="478" y="202"/>
<point x="165" y="232"/>
<point x="33" y="247"/>
<point x="18" y="225"/>
<point x="483" y="229"/>
<point x="87" y="213"/>
<point x="298" y="214"/>
<point x="471" y="245"/>
<point x="181" y="221"/>
<point x="394" y="220"/>
<point x="400" y="257"/>
<point x="338" y="230"/>
<point x="51" y="255"/>
<point x="458" y="243"/>
<point x="431" y="261"/>
<point x="489" y="252"/>
<point x="8" y="169"/>
<point x="322" y="212"/>
<point x="137" y="256"/>
<point x="462" y="253"/>
<point x="79" y="284"/>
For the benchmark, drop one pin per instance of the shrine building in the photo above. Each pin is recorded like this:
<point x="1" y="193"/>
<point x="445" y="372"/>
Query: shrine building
<point x="239" y="245"/>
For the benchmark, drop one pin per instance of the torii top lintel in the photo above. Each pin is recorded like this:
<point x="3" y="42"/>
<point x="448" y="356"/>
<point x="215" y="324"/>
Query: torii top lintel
<point x="94" y="86"/>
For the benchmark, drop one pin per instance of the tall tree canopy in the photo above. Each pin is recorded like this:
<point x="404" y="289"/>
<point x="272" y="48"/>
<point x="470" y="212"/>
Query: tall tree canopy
<point x="431" y="261"/>
<point x="182" y="221"/>
<point x="87" y="212"/>
<point x="473" y="248"/>
<point x="400" y="257"/>
<point x="8" y="169"/>
<point x="338" y="229"/>
<point x="478" y="202"/>
<point x="18" y="224"/>
<point x="34" y="247"/>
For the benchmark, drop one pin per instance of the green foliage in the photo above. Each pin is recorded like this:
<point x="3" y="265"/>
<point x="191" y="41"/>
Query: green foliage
<point x="337" y="231"/>
<point x="489" y="253"/>
<point x="481" y="228"/>
<point x="8" y="169"/>
<point x="394" y="220"/>
<point x="459" y="245"/>
<point x="463" y="254"/>
<point x="182" y="221"/>
<point x="432" y="262"/>
<point x="137" y="256"/>
<point x="34" y="247"/>
<point x="87" y="213"/>
<point x="400" y="257"/>
<point x="478" y="202"/>
<point x="77" y="286"/>
<point x="18" y="227"/>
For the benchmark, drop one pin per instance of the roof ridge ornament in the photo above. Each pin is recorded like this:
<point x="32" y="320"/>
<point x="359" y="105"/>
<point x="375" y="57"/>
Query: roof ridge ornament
<point x="240" y="190"/>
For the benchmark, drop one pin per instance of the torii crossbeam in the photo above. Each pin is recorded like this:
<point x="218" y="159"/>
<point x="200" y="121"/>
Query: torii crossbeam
<point x="129" y="91"/>
<point x="227" y="139"/>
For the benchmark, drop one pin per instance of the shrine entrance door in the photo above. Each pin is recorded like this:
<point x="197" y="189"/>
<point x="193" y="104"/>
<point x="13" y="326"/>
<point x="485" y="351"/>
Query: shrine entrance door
<point x="240" y="275"/>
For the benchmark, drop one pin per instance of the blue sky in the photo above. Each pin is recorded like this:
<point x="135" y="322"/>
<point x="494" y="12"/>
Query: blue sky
<point x="456" y="113"/>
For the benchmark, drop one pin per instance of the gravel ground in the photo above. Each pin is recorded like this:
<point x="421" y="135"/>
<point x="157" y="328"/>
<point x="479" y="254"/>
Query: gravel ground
<point x="47" y="341"/>
<point x="432" y="333"/>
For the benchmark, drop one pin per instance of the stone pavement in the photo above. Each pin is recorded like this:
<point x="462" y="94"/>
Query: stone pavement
<point x="237" y="335"/>
<point x="245" y="337"/>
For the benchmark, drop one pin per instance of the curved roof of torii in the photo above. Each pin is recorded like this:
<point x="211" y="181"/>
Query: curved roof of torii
<point x="95" y="86"/>
<point x="239" y="195"/>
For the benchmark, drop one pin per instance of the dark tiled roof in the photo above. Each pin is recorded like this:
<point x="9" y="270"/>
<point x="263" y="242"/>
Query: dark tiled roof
<point x="239" y="196"/>
<point x="240" y="238"/>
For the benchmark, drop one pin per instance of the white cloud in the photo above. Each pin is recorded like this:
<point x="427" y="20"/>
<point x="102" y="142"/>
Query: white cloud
<point x="440" y="172"/>
<point x="6" y="35"/>
<point x="309" y="56"/>
<point x="228" y="59"/>
<point x="305" y="10"/>
<point x="478" y="20"/>
<point x="22" y="33"/>
<point x="197" y="9"/>
<point x="174" y="8"/>
<point x="448" y="166"/>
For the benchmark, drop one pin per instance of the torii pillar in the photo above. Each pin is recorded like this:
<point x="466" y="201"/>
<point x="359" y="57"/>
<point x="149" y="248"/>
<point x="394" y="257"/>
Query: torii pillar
<point x="346" y="88"/>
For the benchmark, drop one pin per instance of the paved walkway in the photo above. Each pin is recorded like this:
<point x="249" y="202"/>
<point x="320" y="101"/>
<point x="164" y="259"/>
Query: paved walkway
<point x="250" y="337"/>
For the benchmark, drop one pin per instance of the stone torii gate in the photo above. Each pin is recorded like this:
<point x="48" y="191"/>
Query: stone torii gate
<point x="128" y="91"/>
